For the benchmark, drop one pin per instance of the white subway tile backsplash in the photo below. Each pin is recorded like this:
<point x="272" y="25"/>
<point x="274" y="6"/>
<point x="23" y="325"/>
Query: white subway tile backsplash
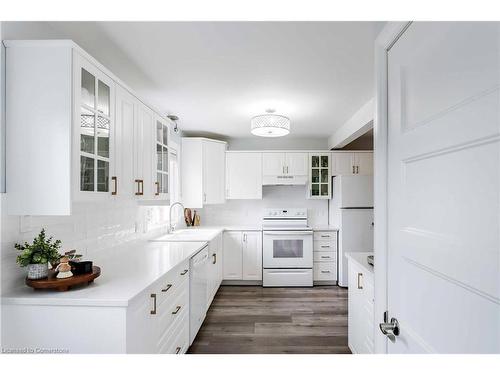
<point x="91" y="229"/>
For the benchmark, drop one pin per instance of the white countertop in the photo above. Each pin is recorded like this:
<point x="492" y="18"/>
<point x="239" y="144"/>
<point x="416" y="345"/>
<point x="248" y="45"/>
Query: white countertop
<point x="360" y="258"/>
<point x="201" y="233"/>
<point x="126" y="270"/>
<point x="324" y="228"/>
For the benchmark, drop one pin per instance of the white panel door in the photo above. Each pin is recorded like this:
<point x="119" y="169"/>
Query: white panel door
<point x="233" y="256"/>
<point x="214" y="156"/>
<point x="297" y="163"/>
<point x="342" y="163"/>
<point x="364" y="163"/>
<point x="443" y="188"/>
<point x="252" y="256"/>
<point x="273" y="164"/>
<point x="243" y="175"/>
<point x="126" y="113"/>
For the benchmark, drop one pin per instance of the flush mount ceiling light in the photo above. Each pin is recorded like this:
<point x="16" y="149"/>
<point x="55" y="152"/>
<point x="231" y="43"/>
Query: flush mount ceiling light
<point x="270" y="125"/>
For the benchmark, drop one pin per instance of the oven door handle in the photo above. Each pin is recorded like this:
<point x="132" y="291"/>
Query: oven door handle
<point x="277" y="233"/>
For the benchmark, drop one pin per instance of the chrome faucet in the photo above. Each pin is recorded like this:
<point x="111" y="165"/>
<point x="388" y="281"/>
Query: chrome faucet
<point x="171" y="227"/>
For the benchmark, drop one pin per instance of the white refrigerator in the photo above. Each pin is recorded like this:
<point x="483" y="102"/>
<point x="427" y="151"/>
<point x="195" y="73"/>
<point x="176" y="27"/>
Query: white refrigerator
<point x="351" y="210"/>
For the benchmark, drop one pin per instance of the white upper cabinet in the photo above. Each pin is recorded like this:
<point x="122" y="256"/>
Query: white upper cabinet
<point x="93" y="99"/>
<point x="350" y="163"/>
<point x="296" y="164"/>
<point x="273" y="164"/>
<point x="243" y="175"/>
<point x="64" y="134"/>
<point x="280" y="168"/>
<point x="364" y="163"/>
<point x="127" y="107"/>
<point x="161" y="163"/>
<point x="320" y="181"/>
<point x="203" y="172"/>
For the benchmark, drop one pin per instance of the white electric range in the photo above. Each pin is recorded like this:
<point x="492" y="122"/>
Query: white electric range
<point x="287" y="248"/>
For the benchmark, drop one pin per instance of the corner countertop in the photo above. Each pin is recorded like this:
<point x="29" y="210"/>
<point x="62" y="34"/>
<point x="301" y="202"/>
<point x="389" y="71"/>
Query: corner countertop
<point x="126" y="271"/>
<point x="360" y="259"/>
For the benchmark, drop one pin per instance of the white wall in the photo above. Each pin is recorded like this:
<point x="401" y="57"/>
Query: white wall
<point x="249" y="212"/>
<point x="281" y="143"/>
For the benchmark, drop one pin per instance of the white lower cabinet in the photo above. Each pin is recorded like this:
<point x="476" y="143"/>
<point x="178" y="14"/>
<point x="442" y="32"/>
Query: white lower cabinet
<point x="242" y="255"/>
<point x="214" y="268"/>
<point x="325" y="257"/>
<point x="360" y="306"/>
<point x="158" y="319"/>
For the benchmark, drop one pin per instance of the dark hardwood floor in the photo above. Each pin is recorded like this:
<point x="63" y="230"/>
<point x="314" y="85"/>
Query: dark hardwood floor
<point x="256" y="320"/>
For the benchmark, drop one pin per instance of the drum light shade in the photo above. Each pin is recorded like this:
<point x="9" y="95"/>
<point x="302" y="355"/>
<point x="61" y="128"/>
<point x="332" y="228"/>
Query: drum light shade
<point x="270" y="125"/>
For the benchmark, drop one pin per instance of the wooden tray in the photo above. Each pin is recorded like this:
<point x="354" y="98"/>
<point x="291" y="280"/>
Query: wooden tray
<point x="62" y="285"/>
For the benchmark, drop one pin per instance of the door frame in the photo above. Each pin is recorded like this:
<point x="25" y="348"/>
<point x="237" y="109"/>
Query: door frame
<point x="385" y="40"/>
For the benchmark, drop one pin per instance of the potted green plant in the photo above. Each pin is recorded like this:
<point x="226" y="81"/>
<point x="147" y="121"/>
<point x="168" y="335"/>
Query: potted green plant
<point x="36" y="256"/>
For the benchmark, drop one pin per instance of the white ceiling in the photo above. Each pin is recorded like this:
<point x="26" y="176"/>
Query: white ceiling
<point x="216" y="75"/>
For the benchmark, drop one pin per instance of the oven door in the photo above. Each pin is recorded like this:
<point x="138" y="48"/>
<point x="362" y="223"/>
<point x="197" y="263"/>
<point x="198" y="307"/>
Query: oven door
<point x="288" y="249"/>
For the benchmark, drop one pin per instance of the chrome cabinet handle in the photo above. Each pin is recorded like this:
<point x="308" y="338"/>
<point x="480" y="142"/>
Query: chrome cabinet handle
<point x="357" y="169"/>
<point x="205" y="197"/>
<point x="177" y="350"/>
<point x="325" y="236"/>
<point x="176" y="310"/>
<point x="325" y="257"/>
<point x="325" y="246"/>
<point x="184" y="272"/>
<point x="353" y="169"/>
<point x="325" y="271"/>
<point x="287" y="169"/>
<point x="115" y="183"/>
<point x="167" y="288"/>
<point x="360" y="277"/>
<point x="153" y="296"/>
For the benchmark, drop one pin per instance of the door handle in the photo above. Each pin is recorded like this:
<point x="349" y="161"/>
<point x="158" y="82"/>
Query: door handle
<point x="215" y="258"/>
<point x="184" y="272"/>
<point x="390" y="329"/>
<point x="157" y="188"/>
<point x="115" y="183"/>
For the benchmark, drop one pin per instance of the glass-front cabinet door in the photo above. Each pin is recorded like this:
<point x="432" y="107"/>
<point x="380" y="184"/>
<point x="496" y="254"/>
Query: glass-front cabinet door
<point x="319" y="176"/>
<point x="94" y="106"/>
<point x="162" y="163"/>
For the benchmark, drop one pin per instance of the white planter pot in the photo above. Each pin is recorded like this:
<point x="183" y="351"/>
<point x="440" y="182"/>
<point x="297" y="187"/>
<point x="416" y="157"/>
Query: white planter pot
<point x="38" y="271"/>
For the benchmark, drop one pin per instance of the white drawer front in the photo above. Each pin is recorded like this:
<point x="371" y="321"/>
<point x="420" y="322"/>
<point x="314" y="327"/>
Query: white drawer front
<point x="325" y="256"/>
<point x="325" y="245"/>
<point x="325" y="236"/>
<point x="325" y="271"/>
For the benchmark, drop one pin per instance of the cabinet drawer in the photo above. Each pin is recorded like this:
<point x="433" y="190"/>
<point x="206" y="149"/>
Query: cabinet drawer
<point x="176" y="340"/>
<point x="325" y="236"/>
<point x="325" y="256"/>
<point x="328" y="245"/>
<point x="325" y="271"/>
<point x="170" y="283"/>
<point x="172" y="314"/>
